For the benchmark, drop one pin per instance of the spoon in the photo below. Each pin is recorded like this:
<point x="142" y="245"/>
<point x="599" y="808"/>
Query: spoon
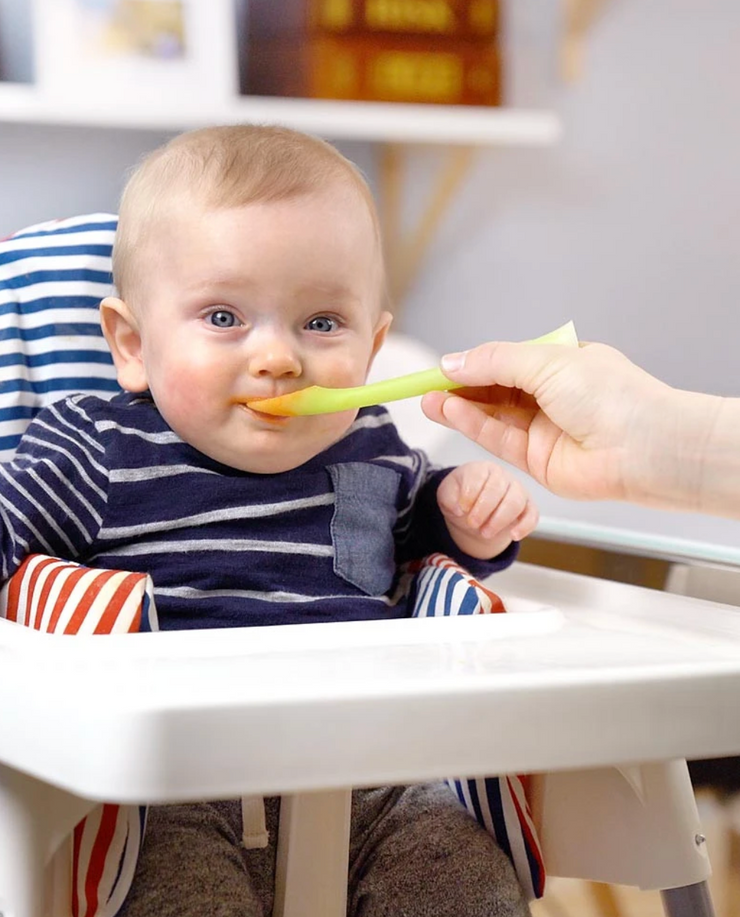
<point x="319" y="400"/>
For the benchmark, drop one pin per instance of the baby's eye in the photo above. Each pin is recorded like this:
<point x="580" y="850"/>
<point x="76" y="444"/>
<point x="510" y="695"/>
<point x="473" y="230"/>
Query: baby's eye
<point x="223" y="319"/>
<point x="322" y="324"/>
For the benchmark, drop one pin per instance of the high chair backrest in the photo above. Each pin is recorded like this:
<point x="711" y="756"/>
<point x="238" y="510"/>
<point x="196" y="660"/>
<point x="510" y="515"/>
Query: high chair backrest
<point x="52" y="278"/>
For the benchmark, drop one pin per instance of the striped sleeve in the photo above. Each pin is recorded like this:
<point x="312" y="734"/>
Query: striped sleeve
<point x="52" y="278"/>
<point x="54" y="493"/>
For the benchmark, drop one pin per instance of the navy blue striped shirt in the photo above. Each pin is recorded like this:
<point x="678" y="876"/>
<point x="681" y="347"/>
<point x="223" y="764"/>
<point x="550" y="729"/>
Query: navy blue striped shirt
<point x="109" y="484"/>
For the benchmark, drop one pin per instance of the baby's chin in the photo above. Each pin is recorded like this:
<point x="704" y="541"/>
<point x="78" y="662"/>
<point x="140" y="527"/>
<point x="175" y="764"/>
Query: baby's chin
<point x="276" y="461"/>
<point x="267" y="462"/>
<point x="274" y="465"/>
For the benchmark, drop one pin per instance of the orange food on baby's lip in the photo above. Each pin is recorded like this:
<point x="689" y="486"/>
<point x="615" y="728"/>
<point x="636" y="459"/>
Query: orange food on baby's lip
<point x="274" y="407"/>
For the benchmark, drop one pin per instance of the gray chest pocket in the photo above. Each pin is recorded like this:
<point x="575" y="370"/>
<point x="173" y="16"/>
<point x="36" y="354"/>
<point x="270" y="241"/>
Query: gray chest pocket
<point x="362" y="525"/>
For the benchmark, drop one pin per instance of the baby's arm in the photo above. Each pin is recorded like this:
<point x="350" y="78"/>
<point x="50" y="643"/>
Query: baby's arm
<point x="54" y="493"/>
<point x="485" y="508"/>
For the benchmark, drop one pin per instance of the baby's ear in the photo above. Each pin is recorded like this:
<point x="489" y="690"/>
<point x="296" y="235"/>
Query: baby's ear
<point x="379" y="333"/>
<point x="121" y="331"/>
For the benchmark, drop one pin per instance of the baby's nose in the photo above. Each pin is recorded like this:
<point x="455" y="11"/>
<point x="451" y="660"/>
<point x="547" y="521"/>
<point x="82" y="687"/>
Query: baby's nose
<point x="274" y="355"/>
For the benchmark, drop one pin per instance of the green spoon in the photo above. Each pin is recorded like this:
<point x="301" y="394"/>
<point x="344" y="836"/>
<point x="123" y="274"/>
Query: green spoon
<point x="319" y="400"/>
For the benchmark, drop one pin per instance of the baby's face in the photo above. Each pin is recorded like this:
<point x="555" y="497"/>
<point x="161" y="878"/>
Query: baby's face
<point x="258" y="301"/>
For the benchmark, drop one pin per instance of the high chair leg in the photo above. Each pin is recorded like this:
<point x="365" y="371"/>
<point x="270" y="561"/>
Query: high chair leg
<point x="313" y="855"/>
<point x="688" y="901"/>
<point x="36" y="818"/>
<point x="654" y="836"/>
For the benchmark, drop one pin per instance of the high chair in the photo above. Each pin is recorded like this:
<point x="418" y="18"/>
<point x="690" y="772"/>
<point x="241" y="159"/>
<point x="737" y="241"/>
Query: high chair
<point x="598" y="688"/>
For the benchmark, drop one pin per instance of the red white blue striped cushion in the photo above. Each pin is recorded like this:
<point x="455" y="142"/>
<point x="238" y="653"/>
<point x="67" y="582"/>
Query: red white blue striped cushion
<point x="54" y="596"/>
<point x="105" y="850"/>
<point x="442" y="587"/>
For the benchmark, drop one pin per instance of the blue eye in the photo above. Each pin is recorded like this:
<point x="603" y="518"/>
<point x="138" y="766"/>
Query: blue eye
<point x="223" y="319"/>
<point x="323" y="324"/>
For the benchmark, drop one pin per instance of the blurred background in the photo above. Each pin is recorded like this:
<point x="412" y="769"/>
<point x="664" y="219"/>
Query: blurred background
<point x="629" y="224"/>
<point x="625" y="218"/>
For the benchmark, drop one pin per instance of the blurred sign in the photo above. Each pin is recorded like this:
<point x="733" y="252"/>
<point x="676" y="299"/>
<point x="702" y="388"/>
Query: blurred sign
<point x="435" y="51"/>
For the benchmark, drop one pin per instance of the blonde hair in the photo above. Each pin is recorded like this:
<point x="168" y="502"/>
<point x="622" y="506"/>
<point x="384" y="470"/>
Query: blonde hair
<point x="223" y="167"/>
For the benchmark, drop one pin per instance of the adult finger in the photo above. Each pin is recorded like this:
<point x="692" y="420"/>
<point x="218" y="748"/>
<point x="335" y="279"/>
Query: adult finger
<point x="502" y="439"/>
<point x="514" y="366"/>
<point x="431" y="405"/>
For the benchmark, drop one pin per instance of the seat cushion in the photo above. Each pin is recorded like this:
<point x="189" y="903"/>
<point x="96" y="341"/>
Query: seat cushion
<point x="56" y="596"/>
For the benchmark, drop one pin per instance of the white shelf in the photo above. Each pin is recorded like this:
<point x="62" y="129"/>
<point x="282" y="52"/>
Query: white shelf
<point x="25" y="104"/>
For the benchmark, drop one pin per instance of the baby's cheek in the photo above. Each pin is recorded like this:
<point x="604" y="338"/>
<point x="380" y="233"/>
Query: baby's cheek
<point x="342" y="372"/>
<point x="182" y="397"/>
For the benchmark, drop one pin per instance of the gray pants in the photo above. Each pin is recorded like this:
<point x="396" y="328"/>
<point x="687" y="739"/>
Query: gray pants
<point x="414" y="852"/>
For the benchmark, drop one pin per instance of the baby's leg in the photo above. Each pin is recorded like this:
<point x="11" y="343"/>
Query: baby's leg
<point x="192" y="863"/>
<point x="416" y="852"/>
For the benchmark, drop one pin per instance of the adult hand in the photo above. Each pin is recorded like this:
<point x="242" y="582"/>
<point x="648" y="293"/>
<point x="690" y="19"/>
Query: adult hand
<point x="583" y="421"/>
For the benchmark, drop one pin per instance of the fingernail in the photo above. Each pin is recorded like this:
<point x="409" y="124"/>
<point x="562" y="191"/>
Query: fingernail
<point x="453" y="361"/>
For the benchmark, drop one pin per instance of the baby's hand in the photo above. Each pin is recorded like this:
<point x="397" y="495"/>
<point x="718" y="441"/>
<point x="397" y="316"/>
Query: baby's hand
<point x="486" y="508"/>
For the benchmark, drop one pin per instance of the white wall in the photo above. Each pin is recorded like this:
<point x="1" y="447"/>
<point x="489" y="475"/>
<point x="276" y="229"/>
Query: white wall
<point x="631" y="227"/>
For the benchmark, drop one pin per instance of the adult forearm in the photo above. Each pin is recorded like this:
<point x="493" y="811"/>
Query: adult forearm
<point x="687" y="456"/>
<point x="720" y="473"/>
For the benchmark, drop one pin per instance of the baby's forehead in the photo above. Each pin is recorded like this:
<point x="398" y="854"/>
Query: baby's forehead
<point x="178" y="206"/>
<point x="183" y="224"/>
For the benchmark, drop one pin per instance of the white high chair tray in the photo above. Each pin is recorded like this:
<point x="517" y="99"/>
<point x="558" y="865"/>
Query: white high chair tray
<point x="582" y="673"/>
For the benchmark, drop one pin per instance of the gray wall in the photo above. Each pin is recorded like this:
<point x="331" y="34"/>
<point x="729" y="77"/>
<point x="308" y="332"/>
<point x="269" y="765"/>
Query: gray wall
<point x="52" y="172"/>
<point x="631" y="226"/>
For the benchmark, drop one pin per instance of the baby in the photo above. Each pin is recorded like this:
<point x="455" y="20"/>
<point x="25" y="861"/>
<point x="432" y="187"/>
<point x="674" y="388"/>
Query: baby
<point x="248" y="262"/>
